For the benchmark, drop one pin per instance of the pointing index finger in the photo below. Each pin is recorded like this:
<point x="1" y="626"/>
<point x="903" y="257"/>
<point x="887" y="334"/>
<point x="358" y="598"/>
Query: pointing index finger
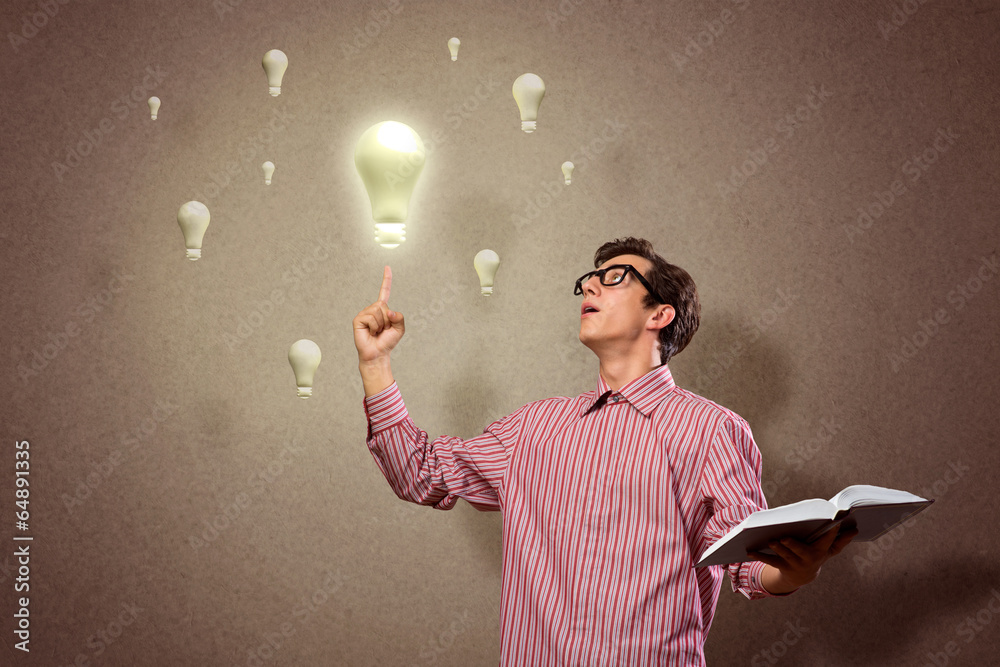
<point x="383" y="294"/>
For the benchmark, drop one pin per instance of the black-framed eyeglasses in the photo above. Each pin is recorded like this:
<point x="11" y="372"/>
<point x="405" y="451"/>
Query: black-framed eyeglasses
<point x="614" y="275"/>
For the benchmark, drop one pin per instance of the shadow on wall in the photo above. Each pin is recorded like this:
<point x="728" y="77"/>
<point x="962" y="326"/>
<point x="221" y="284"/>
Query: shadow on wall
<point x="893" y="615"/>
<point x="739" y="366"/>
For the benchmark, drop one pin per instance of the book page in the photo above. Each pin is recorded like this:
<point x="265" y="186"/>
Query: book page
<point x="865" y="494"/>
<point x="804" y="510"/>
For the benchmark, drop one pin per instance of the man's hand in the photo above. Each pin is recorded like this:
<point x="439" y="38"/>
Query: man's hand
<point x="797" y="563"/>
<point x="376" y="328"/>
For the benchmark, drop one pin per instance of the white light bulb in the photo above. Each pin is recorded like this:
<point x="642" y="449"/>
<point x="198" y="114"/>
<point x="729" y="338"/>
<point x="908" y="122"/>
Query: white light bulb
<point x="453" y="45"/>
<point x="304" y="356"/>
<point x="268" y="168"/>
<point x="567" y="169"/>
<point x="193" y="217"/>
<point x="275" y="63"/>
<point x="154" y="106"/>
<point x="529" y="89"/>
<point x="486" y="262"/>
<point x="389" y="158"/>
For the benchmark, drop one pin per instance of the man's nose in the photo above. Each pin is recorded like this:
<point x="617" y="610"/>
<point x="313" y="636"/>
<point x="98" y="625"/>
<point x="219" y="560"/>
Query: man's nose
<point x="591" y="285"/>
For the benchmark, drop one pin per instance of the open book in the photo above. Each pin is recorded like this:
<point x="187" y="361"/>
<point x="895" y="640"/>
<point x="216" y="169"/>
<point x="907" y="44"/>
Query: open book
<point x="873" y="509"/>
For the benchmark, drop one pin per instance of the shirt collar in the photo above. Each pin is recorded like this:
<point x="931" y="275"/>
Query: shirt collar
<point x="643" y="393"/>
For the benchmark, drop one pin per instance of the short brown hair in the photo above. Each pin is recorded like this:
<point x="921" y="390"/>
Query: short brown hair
<point x="671" y="282"/>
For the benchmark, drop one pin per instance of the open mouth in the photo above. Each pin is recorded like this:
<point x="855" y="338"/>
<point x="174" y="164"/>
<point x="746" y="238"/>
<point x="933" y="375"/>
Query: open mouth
<point x="587" y="309"/>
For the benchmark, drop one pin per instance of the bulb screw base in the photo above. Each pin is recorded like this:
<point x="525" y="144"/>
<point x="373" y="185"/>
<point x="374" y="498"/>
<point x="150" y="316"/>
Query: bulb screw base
<point x="528" y="125"/>
<point x="305" y="392"/>
<point x="488" y="291"/>
<point x="194" y="253"/>
<point x="274" y="90"/>
<point x="153" y="116"/>
<point x="390" y="235"/>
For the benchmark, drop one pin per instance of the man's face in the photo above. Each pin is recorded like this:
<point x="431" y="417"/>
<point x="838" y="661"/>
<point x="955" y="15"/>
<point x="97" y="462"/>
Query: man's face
<point x="620" y="318"/>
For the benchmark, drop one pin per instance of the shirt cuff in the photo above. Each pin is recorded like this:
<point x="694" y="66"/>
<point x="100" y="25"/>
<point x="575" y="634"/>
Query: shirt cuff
<point x="384" y="409"/>
<point x="751" y="581"/>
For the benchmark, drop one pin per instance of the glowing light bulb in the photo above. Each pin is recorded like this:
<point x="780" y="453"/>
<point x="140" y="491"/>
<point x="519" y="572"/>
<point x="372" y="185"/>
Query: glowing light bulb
<point x="389" y="158"/>
<point x="304" y="356"/>
<point x="453" y="45"/>
<point x="154" y="106"/>
<point x="268" y="168"/>
<point x="529" y="89"/>
<point x="486" y="262"/>
<point x="193" y="217"/>
<point x="567" y="169"/>
<point x="275" y="63"/>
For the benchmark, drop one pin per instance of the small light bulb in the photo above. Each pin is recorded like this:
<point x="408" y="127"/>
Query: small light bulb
<point x="193" y="217"/>
<point x="486" y="264"/>
<point x="453" y="45"/>
<point x="304" y="356"/>
<point x="528" y="89"/>
<point x="567" y="170"/>
<point x="154" y="106"/>
<point x="275" y="63"/>
<point x="268" y="168"/>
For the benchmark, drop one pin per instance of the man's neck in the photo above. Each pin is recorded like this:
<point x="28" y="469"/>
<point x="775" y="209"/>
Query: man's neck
<point x="619" y="372"/>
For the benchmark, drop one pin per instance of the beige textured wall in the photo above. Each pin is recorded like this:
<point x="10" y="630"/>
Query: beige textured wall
<point x="173" y="399"/>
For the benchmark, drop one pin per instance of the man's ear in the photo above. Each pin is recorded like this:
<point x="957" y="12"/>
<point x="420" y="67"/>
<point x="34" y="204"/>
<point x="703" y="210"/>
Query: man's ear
<point x="662" y="316"/>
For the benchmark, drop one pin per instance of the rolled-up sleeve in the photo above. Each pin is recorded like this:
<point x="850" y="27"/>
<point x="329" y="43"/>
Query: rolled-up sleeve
<point x="438" y="472"/>
<point x="731" y="488"/>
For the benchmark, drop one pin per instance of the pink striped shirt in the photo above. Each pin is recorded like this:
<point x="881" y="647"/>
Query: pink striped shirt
<point x="606" y="507"/>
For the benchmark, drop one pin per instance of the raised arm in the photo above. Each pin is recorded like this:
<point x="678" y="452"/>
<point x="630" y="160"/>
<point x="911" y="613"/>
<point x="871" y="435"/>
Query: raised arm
<point x="428" y="472"/>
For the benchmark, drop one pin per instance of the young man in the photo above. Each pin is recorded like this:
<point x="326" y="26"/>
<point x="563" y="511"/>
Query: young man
<point x="609" y="498"/>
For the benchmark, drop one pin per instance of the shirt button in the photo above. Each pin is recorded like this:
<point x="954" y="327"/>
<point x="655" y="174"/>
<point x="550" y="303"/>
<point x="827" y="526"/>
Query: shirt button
<point x="614" y="399"/>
